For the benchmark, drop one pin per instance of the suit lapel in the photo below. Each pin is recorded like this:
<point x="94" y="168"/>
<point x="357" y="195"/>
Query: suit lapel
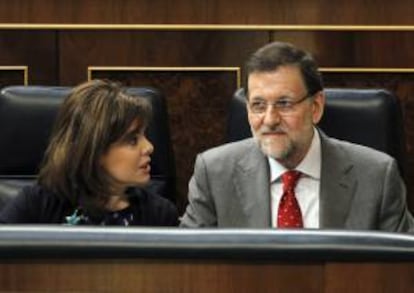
<point x="253" y="187"/>
<point x="338" y="184"/>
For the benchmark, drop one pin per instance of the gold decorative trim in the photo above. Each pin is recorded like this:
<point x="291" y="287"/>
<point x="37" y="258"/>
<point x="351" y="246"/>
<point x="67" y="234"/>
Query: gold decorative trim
<point x="25" y="70"/>
<point x="202" y="27"/>
<point x="132" y="68"/>
<point x="365" y="70"/>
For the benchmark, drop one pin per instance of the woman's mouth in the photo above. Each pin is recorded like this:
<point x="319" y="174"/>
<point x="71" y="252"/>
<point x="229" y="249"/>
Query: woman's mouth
<point x="146" y="166"/>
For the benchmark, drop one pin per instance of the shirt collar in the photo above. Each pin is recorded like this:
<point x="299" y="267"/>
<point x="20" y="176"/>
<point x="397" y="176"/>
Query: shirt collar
<point x="310" y="165"/>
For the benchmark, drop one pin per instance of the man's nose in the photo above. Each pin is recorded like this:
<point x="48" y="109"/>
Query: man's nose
<point x="271" y="116"/>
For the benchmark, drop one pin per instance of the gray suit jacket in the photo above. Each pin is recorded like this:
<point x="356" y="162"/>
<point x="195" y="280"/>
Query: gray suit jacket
<point x="361" y="188"/>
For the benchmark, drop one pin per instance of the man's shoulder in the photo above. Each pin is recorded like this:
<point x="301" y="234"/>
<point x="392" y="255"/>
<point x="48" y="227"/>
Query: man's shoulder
<point x="357" y="152"/>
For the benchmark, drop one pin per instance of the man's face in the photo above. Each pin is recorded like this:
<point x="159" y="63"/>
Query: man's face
<point x="283" y="133"/>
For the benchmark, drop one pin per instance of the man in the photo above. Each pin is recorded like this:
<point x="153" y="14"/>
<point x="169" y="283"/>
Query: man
<point x="290" y="174"/>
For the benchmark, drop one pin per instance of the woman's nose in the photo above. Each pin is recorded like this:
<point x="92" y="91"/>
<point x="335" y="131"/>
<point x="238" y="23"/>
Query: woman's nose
<point x="148" y="147"/>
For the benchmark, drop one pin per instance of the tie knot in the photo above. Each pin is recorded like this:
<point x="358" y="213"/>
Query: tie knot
<point x="289" y="179"/>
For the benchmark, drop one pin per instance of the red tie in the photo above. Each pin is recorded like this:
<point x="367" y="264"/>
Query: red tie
<point x="289" y="214"/>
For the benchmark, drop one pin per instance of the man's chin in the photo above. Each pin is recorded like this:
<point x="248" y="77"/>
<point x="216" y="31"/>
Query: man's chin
<point x="274" y="148"/>
<point x="274" y="152"/>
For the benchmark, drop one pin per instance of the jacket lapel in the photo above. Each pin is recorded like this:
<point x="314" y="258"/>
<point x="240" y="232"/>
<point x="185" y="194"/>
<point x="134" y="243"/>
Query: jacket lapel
<point x="253" y="187"/>
<point x="338" y="185"/>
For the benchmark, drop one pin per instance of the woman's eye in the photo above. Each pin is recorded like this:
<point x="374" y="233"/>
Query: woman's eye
<point x="133" y="140"/>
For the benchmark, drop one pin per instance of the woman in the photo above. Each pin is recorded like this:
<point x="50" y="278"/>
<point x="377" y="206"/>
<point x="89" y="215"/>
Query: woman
<point x="97" y="161"/>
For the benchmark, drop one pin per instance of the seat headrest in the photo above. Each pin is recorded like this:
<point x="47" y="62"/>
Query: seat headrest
<point x="26" y="118"/>
<point x="371" y="117"/>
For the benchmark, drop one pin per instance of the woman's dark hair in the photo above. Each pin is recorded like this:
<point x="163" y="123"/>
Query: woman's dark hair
<point x="271" y="56"/>
<point x="94" y="115"/>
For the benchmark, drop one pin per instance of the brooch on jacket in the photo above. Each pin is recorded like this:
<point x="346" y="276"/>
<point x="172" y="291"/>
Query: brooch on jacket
<point x="75" y="218"/>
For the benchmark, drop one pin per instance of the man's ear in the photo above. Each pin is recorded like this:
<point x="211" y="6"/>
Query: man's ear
<point x="318" y="106"/>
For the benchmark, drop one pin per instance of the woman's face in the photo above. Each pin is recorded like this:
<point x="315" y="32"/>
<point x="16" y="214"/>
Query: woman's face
<point x="128" y="160"/>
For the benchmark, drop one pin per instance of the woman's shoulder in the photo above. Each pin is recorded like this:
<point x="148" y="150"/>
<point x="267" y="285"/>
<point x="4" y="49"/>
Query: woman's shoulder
<point x="39" y="193"/>
<point x="33" y="204"/>
<point x="43" y="196"/>
<point x="158" y="210"/>
<point x="149" y="198"/>
<point x="35" y="190"/>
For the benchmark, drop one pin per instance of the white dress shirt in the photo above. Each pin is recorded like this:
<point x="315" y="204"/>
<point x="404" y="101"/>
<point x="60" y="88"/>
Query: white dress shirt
<point x="307" y="188"/>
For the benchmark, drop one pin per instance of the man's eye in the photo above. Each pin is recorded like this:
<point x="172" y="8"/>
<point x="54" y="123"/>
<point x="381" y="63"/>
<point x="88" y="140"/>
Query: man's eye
<point x="258" y="105"/>
<point x="284" y="104"/>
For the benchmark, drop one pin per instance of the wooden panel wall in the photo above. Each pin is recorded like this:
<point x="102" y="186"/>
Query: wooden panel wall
<point x="35" y="49"/>
<point x="373" y="12"/>
<point x="61" y="56"/>
<point x="372" y="49"/>
<point x="80" y="49"/>
<point x="13" y="75"/>
<point x="141" y="275"/>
